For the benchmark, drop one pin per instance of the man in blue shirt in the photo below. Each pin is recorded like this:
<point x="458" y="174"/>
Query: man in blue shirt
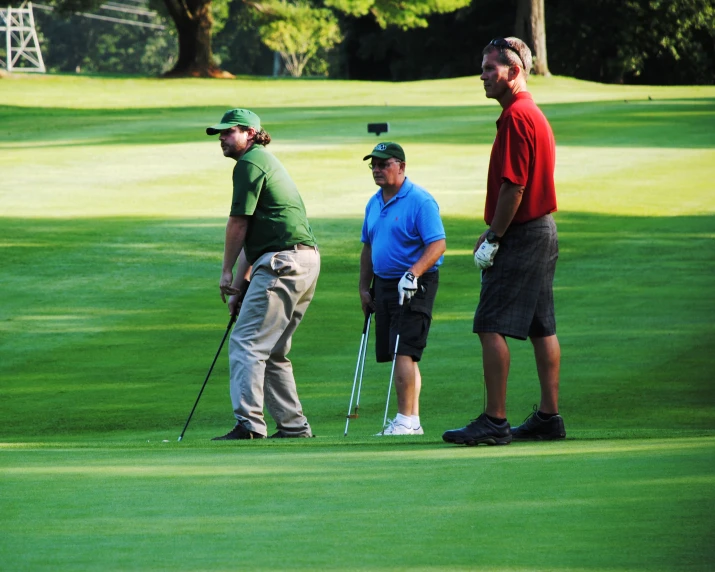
<point x="403" y="246"/>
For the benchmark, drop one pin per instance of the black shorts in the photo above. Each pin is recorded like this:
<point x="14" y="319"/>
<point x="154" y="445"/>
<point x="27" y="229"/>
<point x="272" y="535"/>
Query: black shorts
<point x="415" y="321"/>
<point x="517" y="298"/>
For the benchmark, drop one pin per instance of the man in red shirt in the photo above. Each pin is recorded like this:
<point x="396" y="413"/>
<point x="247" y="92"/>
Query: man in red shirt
<point x="517" y="253"/>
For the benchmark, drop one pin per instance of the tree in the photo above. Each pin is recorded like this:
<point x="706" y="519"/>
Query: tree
<point x="238" y="46"/>
<point x="633" y="41"/>
<point x="297" y="31"/>
<point x="531" y="27"/>
<point x="195" y="21"/>
<point x="74" y="44"/>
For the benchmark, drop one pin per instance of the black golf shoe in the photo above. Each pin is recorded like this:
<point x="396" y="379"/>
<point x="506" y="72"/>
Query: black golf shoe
<point x="481" y="430"/>
<point x="239" y="432"/>
<point x="534" y="428"/>
<point x="283" y="435"/>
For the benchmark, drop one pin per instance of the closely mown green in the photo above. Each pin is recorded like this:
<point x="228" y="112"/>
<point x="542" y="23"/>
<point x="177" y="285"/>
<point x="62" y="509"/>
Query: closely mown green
<point x="113" y="203"/>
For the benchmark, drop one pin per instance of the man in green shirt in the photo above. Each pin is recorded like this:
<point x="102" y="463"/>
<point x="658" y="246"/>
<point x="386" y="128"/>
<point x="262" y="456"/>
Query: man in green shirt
<point x="270" y="244"/>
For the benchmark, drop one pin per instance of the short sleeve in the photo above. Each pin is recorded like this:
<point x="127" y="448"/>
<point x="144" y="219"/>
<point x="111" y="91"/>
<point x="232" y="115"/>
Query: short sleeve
<point x="248" y="181"/>
<point x="516" y="151"/>
<point x="429" y="223"/>
<point x="365" y="239"/>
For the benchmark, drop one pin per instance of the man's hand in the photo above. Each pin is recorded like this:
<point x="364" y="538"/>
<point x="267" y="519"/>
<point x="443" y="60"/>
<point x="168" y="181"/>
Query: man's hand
<point x="367" y="302"/>
<point x="236" y="300"/>
<point x="225" y="285"/>
<point x="407" y="286"/>
<point x="484" y="255"/>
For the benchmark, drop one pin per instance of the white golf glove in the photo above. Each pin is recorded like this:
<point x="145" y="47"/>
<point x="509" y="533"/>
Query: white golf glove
<point x="484" y="256"/>
<point x="407" y="286"/>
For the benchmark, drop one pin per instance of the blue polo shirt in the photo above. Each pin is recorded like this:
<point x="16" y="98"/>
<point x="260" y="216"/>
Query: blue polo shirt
<point x="399" y="231"/>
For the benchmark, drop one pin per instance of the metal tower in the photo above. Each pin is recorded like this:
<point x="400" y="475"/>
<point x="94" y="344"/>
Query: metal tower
<point x="22" y="49"/>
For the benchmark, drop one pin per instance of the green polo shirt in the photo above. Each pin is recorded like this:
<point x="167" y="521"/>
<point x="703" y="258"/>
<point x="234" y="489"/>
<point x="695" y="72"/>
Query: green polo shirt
<point x="263" y="190"/>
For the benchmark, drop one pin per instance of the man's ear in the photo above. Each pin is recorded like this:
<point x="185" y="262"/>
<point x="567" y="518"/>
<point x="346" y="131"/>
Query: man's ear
<point x="514" y="72"/>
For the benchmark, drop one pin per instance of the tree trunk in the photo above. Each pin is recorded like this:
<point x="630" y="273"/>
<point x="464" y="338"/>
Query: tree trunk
<point x="530" y="26"/>
<point x="193" y="25"/>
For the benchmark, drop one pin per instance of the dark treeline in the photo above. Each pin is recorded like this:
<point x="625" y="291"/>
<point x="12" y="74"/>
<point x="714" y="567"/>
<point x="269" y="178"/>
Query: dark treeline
<point x="613" y="41"/>
<point x="610" y="41"/>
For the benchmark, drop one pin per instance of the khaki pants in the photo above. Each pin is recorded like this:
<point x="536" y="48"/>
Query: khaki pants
<point x="282" y="286"/>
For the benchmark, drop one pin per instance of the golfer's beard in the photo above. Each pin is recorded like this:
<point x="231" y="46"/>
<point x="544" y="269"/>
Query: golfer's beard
<point x="232" y="153"/>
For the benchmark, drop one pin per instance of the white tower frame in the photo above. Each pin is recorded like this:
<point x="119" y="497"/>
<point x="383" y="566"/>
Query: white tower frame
<point x="21" y="43"/>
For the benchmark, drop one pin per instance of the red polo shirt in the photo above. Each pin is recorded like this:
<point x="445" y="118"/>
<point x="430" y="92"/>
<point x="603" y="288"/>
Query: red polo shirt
<point x="524" y="153"/>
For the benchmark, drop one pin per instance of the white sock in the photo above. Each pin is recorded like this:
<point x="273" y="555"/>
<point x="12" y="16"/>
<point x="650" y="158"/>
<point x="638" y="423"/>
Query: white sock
<point x="415" y="421"/>
<point x="404" y="420"/>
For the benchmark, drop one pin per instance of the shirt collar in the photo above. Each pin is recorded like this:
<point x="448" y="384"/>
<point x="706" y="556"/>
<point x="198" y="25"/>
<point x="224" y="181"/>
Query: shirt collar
<point x="517" y="97"/>
<point x="404" y="189"/>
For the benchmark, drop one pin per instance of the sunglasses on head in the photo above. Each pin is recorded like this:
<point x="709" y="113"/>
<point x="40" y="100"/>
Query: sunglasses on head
<point x="504" y="44"/>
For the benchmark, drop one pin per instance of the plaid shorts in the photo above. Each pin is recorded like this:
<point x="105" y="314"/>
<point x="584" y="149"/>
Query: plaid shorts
<point x="415" y="321"/>
<point x="517" y="298"/>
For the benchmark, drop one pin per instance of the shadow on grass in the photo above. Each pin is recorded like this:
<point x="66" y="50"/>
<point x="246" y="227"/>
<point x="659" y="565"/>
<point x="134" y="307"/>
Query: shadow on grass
<point x="661" y="124"/>
<point x="110" y="325"/>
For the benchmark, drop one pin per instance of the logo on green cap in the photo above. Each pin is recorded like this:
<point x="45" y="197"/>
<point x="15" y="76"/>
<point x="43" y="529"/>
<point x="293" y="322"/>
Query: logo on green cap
<point x="385" y="151"/>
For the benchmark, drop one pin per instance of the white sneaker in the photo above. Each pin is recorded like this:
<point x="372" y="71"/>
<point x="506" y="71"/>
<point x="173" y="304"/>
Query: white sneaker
<point x="395" y="428"/>
<point x="418" y="431"/>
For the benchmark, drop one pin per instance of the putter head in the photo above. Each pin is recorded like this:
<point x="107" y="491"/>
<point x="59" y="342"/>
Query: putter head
<point x="353" y="416"/>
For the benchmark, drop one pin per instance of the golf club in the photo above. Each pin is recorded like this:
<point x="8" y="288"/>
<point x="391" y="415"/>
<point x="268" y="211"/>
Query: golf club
<point x="228" y="329"/>
<point x="359" y="368"/>
<point x="394" y="359"/>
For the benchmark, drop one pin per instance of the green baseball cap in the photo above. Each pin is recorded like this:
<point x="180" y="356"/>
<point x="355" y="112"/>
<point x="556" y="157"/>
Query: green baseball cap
<point x="385" y="151"/>
<point x="233" y="117"/>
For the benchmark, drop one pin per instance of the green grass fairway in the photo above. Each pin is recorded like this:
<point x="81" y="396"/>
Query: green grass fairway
<point x="586" y="505"/>
<point x="113" y="204"/>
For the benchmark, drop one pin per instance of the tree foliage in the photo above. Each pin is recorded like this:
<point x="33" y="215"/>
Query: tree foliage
<point x="628" y="40"/>
<point x="404" y="15"/>
<point x="72" y="43"/>
<point x="449" y="47"/>
<point x="238" y="46"/>
<point x="631" y="41"/>
<point x="298" y="31"/>
<point x="194" y="21"/>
